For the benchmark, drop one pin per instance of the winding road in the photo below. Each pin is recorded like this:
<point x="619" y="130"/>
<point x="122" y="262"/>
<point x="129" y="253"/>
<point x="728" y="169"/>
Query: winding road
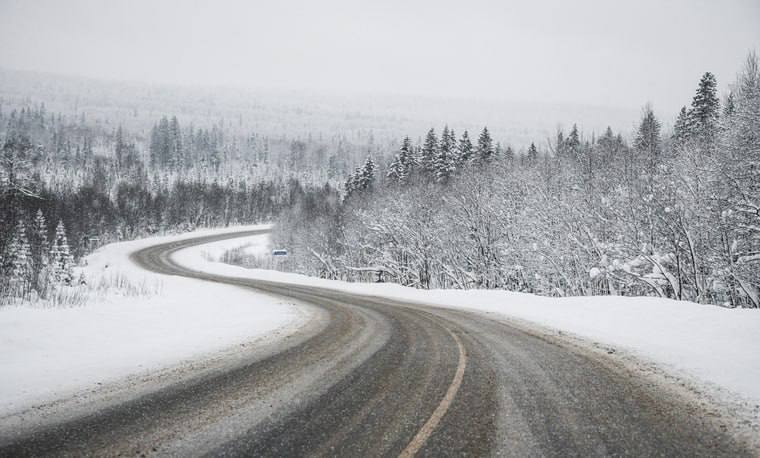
<point x="370" y="376"/>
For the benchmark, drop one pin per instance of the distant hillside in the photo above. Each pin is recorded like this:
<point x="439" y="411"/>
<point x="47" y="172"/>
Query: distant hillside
<point x="357" y="117"/>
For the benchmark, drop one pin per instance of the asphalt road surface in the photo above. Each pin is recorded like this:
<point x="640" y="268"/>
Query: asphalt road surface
<point x="377" y="377"/>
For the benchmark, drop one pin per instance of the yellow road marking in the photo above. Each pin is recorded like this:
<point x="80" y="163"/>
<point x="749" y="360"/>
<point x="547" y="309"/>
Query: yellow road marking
<point x="427" y="429"/>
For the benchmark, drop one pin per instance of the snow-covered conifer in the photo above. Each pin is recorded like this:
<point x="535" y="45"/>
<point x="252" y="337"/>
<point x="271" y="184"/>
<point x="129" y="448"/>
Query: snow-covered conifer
<point x="61" y="261"/>
<point x="464" y="149"/>
<point x="485" y="151"/>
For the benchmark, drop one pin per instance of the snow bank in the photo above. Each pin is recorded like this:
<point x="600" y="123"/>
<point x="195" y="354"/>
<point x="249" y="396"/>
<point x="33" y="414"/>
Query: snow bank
<point x="52" y="353"/>
<point x="711" y="344"/>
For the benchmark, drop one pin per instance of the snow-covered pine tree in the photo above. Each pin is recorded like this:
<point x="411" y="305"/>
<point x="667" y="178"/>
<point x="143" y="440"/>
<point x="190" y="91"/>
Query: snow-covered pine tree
<point x="509" y="155"/>
<point x="402" y="164"/>
<point x="367" y="175"/>
<point x="464" y="150"/>
<point x="682" y="127"/>
<point x="61" y="261"/>
<point x="573" y="144"/>
<point x="395" y="170"/>
<point x="18" y="262"/>
<point x="729" y="106"/>
<point x="15" y="166"/>
<point x="647" y="142"/>
<point x="444" y="160"/>
<point x="532" y="155"/>
<point x="485" y="151"/>
<point x="705" y="110"/>
<point x="40" y="249"/>
<point x="428" y="153"/>
<point x="155" y="147"/>
<point x="353" y="182"/>
<point x="407" y="160"/>
<point x="560" y="152"/>
<point x="175" y="145"/>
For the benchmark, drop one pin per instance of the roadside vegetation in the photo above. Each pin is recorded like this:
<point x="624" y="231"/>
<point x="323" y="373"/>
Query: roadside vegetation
<point x="673" y="213"/>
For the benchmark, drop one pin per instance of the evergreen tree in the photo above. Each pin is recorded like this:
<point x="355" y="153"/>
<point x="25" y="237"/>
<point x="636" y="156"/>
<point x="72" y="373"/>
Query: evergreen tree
<point x="40" y="249"/>
<point x="509" y="155"/>
<point x="332" y="166"/>
<point x="120" y="148"/>
<point x="402" y="165"/>
<point x="87" y="152"/>
<point x="407" y="160"/>
<point x="465" y="149"/>
<point x="573" y="144"/>
<point x="162" y="144"/>
<point x="681" y="129"/>
<point x="351" y="183"/>
<point x="15" y="166"/>
<point x="17" y="262"/>
<point x="395" y="169"/>
<point x="485" y="151"/>
<point x="367" y="175"/>
<point x="532" y="155"/>
<point x="175" y="154"/>
<point x="647" y="143"/>
<point x="705" y="109"/>
<point x="155" y="147"/>
<point x="428" y="154"/>
<point x="729" y="106"/>
<point x="61" y="261"/>
<point x="561" y="147"/>
<point x="444" y="164"/>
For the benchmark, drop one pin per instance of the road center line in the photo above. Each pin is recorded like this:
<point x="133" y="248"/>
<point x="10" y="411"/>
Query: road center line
<point x="427" y="429"/>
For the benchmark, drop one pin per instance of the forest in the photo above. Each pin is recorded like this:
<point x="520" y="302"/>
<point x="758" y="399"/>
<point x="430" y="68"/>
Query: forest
<point x="69" y="185"/>
<point x="672" y="214"/>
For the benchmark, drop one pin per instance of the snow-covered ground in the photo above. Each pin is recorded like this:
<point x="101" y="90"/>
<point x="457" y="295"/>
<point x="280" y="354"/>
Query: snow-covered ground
<point x="51" y="353"/>
<point x="710" y="345"/>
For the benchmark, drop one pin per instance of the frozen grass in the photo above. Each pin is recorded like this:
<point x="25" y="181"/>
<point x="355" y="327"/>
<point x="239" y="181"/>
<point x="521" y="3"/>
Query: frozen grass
<point x="92" y="291"/>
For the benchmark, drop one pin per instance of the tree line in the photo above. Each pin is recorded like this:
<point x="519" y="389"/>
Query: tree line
<point x="68" y="186"/>
<point x="669" y="214"/>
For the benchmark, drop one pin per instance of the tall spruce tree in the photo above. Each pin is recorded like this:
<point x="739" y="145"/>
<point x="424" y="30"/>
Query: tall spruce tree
<point x="428" y="154"/>
<point x="444" y="162"/>
<point x="648" y="143"/>
<point x="18" y="262"/>
<point x="40" y="248"/>
<point x="485" y="151"/>
<point x="402" y="165"/>
<point x="573" y="144"/>
<point x="407" y="159"/>
<point x="61" y="261"/>
<point x="681" y="129"/>
<point x="705" y="110"/>
<point x="367" y="175"/>
<point x="465" y="149"/>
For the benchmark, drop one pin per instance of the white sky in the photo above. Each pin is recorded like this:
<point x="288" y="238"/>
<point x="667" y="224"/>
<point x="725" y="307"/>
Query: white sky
<point x="592" y="52"/>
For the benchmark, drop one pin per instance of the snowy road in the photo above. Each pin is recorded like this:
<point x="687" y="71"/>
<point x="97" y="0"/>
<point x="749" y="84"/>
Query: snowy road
<point x="373" y="376"/>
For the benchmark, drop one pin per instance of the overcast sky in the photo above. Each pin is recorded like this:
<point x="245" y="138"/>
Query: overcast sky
<point x="611" y="53"/>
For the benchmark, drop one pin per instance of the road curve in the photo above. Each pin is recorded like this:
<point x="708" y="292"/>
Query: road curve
<point x="380" y="377"/>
